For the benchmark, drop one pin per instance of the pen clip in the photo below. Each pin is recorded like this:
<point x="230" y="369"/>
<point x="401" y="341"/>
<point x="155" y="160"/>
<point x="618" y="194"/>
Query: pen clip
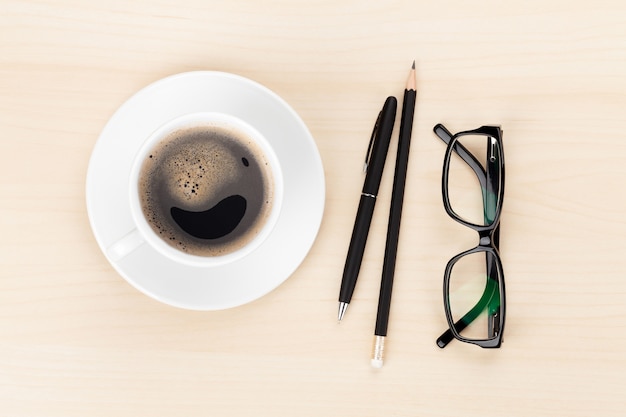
<point x="371" y="144"/>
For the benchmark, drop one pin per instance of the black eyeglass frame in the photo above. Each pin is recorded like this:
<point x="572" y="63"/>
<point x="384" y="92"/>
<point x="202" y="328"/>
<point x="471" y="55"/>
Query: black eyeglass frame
<point x="491" y="178"/>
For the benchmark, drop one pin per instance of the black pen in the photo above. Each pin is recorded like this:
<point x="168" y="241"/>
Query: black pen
<point x="395" y="214"/>
<point x="375" y="163"/>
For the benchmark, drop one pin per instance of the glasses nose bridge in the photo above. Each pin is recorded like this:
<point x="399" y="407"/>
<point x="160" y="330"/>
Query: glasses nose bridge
<point x="486" y="238"/>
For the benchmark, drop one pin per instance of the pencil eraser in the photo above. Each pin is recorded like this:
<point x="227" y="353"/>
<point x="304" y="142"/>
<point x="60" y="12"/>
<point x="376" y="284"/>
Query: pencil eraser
<point x="377" y="363"/>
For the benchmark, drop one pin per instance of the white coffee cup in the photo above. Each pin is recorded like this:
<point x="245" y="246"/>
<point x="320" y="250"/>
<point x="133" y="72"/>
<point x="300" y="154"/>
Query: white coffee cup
<point x="145" y="233"/>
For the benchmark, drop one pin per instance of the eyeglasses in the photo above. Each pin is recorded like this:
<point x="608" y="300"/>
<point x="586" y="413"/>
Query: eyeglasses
<point x="473" y="285"/>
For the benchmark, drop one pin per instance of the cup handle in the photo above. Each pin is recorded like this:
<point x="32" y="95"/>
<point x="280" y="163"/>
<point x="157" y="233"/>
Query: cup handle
<point x="125" y="245"/>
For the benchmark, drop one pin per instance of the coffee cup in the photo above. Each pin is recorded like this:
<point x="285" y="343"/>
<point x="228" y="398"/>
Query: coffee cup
<point x="205" y="189"/>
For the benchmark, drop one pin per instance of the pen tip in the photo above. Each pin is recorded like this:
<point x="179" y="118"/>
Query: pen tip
<point x="413" y="66"/>
<point x="342" y="311"/>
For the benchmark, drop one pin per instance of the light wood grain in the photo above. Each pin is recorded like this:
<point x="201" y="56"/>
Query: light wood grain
<point x="77" y="340"/>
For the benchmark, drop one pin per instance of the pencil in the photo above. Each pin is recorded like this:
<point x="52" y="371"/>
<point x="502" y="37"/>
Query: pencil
<point x="395" y="214"/>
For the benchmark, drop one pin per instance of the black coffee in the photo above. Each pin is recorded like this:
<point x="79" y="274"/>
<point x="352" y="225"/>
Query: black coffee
<point x="206" y="190"/>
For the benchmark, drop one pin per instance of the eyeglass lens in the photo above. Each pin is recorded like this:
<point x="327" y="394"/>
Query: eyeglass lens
<point x="474" y="295"/>
<point x="472" y="200"/>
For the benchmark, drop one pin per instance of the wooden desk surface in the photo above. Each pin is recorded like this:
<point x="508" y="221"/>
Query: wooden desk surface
<point x="77" y="340"/>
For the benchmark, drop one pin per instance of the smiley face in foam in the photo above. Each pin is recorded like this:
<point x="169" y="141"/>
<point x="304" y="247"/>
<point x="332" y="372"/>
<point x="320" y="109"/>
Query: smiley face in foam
<point x="207" y="190"/>
<point x="213" y="178"/>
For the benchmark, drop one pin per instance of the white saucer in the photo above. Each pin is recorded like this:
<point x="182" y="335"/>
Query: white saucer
<point x="207" y="288"/>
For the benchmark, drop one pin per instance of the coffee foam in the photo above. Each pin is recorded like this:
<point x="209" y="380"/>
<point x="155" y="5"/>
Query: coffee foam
<point x="194" y="169"/>
<point x="195" y="174"/>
